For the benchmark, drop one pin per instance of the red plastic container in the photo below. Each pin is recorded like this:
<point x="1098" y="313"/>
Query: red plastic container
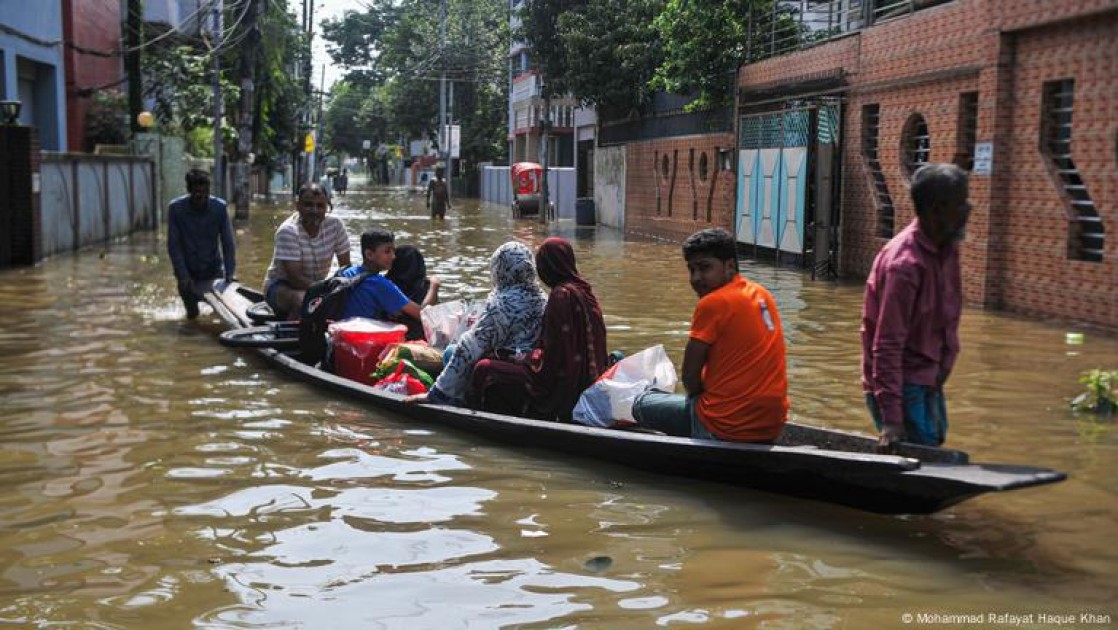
<point x="358" y="343"/>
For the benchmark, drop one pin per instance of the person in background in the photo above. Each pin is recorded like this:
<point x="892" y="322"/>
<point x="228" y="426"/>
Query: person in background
<point x="197" y="225"/>
<point x="508" y="326"/>
<point x="341" y="182"/>
<point x="409" y="273"/>
<point x="734" y="363"/>
<point x="571" y="353"/>
<point x="438" y="195"/>
<point x="377" y="297"/>
<point x="306" y="245"/>
<point x="911" y="311"/>
<point x="326" y="183"/>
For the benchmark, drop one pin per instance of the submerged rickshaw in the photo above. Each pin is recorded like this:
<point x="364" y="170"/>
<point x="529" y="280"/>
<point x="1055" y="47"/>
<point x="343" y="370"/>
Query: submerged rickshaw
<point x="527" y="178"/>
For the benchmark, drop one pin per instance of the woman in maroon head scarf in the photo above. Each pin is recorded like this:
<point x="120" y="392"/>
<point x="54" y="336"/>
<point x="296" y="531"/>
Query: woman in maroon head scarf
<point x="571" y="352"/>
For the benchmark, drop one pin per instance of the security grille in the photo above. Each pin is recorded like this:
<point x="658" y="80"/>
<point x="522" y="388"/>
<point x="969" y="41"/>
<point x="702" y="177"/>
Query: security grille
<point x="968" y="129"/>
<point x="1086" y="233"/>
<point x="916" y="144"/>
<point x="871" y="117"/>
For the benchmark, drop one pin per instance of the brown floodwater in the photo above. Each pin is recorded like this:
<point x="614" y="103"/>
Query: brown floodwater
<point x="150" y="477"/>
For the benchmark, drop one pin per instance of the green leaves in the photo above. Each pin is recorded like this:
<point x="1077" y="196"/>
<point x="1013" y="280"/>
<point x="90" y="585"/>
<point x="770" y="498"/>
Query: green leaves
<point x="612" y="50"/>
<point x="395" y="56"/>
<point x="1100" y="396"/>
<point x="178" y="78"/>
<point x="707" y="40"/>
<point x="615" y="53"/>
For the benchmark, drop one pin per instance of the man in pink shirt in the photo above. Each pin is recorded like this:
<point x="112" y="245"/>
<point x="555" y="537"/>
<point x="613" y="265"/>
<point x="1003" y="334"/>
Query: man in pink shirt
<point x="910" y="316"/>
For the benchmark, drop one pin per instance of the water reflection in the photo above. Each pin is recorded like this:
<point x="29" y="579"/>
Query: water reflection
<point x="151" y="477"/>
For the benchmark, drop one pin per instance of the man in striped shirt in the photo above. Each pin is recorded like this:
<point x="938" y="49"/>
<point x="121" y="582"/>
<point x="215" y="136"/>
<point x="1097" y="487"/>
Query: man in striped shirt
<point x="306" y="244"/>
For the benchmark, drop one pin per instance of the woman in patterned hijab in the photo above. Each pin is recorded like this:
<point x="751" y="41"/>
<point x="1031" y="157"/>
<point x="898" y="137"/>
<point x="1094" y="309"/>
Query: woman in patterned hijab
<point x="509" y="325"/>
<point x="571" y="353"/>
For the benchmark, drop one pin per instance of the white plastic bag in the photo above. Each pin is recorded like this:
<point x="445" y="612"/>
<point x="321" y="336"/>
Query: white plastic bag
<point x="609" y="401"/>
<point x="444" y="323"/>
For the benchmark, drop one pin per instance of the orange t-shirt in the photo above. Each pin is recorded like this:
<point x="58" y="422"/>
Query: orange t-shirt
<point x="745" y="383"/>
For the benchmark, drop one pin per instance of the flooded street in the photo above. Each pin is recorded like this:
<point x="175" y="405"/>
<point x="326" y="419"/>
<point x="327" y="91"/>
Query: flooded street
<point x="150" y="477"/>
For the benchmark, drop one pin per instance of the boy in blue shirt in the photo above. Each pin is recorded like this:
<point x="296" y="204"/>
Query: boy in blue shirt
<point x="377" y="297"/>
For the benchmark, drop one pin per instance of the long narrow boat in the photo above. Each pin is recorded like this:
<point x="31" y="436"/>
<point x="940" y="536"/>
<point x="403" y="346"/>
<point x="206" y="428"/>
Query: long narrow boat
<point x="808" y="462"/>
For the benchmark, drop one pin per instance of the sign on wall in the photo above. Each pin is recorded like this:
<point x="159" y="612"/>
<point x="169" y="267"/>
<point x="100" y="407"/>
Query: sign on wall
<point x="983" y="158"/>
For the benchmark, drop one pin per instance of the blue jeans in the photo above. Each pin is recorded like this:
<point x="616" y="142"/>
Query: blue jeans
<point x="673" y="414"/>
<point x="925" y="414"/>
<point x="270" y="296"/>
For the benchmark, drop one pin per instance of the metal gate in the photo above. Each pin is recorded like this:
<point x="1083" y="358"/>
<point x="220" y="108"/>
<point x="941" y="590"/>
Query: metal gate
<point x="786" y="183"/>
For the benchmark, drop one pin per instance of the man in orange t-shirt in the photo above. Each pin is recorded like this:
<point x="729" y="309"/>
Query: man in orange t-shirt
<point x="733" y="366"/>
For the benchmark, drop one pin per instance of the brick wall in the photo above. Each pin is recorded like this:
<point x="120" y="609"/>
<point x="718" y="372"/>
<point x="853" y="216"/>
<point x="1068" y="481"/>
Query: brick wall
<point x="842" y="53"/>
<point x="1009" y="15"/>
<point x="938" y="39"/>
<point x="1015" y="255"/>
<point x="678" y="202"/>
<point x="938" y="104"/>
<point x="94" y="25"/>
<point x="1038" y="276"/>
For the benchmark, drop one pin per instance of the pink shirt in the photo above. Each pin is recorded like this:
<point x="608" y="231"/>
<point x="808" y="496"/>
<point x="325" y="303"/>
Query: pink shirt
<point x="910" y="318"/>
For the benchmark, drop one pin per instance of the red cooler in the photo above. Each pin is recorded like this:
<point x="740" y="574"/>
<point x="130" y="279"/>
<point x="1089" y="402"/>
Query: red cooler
<point x="358" y="343"/>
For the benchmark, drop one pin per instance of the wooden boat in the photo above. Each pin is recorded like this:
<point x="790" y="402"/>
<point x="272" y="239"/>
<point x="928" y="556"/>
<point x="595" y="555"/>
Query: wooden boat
<point x="808" y="462"/>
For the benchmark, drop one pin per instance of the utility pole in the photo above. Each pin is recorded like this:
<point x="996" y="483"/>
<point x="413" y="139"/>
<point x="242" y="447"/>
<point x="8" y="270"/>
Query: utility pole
<point x="242" y="170"/>
<point x="449" y="123"/>
<point x="545" y="127"/>
<point x="318" y="121"/>
<point x="444" y="132"/>
<point x="308" y="168"/>
<point x="302" y="164"/>
<point x="218" y="191"/>
<point x="133" y="43"/>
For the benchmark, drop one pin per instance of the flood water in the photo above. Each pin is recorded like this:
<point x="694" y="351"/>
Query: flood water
<point x="150" y="477"/>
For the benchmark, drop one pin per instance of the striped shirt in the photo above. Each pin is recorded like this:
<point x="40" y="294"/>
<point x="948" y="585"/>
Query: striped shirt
<point x="314" y="254"/>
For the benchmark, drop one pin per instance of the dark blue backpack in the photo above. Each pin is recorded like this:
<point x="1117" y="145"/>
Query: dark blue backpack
<point x="323" y="303"/>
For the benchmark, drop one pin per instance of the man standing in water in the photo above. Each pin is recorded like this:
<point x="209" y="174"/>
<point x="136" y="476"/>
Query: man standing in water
<point x="438" y="189"/>
<point x="341" y="183"/>
<point x="910" y="315"/>
<point x="196" y="225"/>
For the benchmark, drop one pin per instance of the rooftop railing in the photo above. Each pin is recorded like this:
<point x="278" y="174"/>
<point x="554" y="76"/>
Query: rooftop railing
<point x="797" y="24"/>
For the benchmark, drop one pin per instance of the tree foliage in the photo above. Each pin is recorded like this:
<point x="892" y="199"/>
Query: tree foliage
<point x="612" y="51"/>
<point x="615" y="53"/>
<point x="106" y="120"/>
<point x="352" y="116"/>
<point x="280" y="99"/>
<point x="539" y="27"/>
<point x="705" y="41"/>
<point x="394" y="60"/>
<point x="178" y="80"/>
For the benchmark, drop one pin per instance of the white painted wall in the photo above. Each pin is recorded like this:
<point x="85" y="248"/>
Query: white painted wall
<point x="609" y="185"/>
<point x="496" y="187"/>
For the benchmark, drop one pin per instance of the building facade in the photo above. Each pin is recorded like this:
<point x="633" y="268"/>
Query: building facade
<point x="32" y="69"/>
<point x="529" y="112"/>
<point x="92" y="57"/>
<point x="1022" y="93"/>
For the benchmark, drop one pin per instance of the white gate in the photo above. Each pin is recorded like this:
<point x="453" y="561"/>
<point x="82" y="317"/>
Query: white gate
<point x="778" y="155"/>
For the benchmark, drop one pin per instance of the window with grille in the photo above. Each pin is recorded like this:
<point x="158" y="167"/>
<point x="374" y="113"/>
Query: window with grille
<point x="967" y="134"/>
<point x="1086" y="232"/>
<point x="871" y="117"/>
<point x="916" y="144"/>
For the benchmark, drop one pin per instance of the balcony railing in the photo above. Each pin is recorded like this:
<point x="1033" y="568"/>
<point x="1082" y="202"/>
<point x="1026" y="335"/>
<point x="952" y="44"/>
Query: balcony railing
<point x="797" y="24"/>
